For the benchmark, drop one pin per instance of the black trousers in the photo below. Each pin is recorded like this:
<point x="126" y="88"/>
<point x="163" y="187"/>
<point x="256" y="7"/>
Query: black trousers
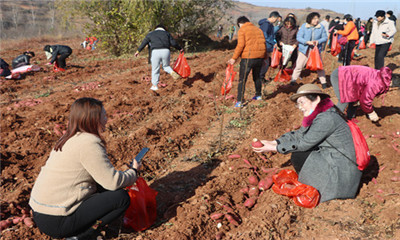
<point x="61" y="59"/>
<point x="105" y="207"/>
<point x="298" y="159"/>
<point x="247" y="65"/>
<point x="345" y="54"/>
<point x="380" y="54"/>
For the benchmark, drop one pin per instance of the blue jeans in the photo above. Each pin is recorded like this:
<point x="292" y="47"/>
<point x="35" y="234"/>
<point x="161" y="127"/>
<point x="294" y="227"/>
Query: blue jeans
<point x="159" y="56"/>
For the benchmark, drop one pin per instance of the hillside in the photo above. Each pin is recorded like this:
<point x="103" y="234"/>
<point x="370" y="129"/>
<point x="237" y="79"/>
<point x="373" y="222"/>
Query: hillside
<point x="191" y="131"/>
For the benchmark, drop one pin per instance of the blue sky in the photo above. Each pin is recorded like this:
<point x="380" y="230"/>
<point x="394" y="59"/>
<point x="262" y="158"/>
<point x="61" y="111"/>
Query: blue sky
<point x="358" y="8"/>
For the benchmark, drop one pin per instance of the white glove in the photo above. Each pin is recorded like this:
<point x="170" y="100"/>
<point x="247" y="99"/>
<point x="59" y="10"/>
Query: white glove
<point x="373" y="116"/>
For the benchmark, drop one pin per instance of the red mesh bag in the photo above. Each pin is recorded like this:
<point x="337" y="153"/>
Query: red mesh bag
<point x="276" y="58"/>
<point x="361" y="147"/>
<point x="362" y="45"/>
<point x="372" y="45"/>
<point x="181" y="66"/>
<point x="229" y="77"/>
<point x="286" y="183"/>
<point x="283" y="76"/>
<point x="142" y="211"/>
<point x="314" y="61"/>
<point x="335" y="46"/>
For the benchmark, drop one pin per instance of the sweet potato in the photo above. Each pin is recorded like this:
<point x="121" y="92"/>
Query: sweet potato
<point x="5" y="224"/>
<point x="395" y="179"/>
<point x="231" y="219"/>
<point x="256" y="143"/>
<point x="216" y="215"/>
<point x="233" y="156"/>
<point x="265" y="183"/>
<point x="29" y="222"/>
<point x="253" y="180"/>
<point x="245" y="190"/>
<point x="254" y="191"/>
<point x="250" y="202"/>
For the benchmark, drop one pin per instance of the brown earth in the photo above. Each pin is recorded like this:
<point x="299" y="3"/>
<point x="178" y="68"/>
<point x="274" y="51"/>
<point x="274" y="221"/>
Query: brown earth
<point x="191" y="132"/>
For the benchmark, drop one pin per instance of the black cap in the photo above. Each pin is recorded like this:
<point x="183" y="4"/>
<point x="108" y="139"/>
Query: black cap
<point x="380" y="13"/>
<point x="347" y="16"/>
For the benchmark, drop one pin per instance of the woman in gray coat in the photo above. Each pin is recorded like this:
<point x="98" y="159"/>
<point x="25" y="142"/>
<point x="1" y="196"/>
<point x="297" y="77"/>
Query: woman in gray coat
<point x="322" y="149"/>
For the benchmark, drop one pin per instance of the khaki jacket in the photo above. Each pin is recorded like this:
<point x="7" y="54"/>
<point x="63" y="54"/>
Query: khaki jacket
<point x="70" y="176"/>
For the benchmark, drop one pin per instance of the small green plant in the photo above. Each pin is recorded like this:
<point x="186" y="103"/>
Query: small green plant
<point x="238" y="123"/>
<point x="46" y="94"/>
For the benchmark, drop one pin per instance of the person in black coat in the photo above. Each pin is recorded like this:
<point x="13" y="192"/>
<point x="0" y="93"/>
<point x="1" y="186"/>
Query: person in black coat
<point x="22" y="60"/>
<point x="159" y="42"/>
<point x="4" y="68"/>
<point x="52" y="53"/>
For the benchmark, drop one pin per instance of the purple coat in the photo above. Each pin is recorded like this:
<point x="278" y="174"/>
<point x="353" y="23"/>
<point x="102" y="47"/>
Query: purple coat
<point x="361" y="83"/>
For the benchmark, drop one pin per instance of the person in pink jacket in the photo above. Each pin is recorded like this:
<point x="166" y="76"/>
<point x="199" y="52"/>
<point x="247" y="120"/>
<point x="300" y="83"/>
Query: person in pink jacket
<point x="360" y="83"/>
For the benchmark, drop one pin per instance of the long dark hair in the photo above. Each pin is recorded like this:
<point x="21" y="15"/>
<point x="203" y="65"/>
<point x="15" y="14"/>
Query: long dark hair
<point x="85" y="116"/>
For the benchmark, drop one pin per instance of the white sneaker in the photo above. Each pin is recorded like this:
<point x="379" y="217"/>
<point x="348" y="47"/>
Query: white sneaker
<point x="154" y="88"/>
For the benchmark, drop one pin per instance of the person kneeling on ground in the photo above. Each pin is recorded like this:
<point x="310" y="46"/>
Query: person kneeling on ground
<point x="52" y="53"/>
<point x="323" y="152"/>
<point x="159" y="41"/>
<point x="360" y="83"/>
<point x="22" y="60"/>
<point x="78" y="190"/>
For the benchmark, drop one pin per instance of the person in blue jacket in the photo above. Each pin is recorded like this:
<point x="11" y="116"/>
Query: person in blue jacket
<point x="311" y="34"/>
<point x="267" y="26"/>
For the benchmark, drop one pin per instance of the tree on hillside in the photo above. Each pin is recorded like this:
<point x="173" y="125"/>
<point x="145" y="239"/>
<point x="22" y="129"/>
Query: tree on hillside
<point x="122" y="24"/>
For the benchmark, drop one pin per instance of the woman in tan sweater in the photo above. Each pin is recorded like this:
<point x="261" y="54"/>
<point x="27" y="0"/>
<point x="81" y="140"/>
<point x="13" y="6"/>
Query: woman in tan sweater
<point x="78" y="189"/>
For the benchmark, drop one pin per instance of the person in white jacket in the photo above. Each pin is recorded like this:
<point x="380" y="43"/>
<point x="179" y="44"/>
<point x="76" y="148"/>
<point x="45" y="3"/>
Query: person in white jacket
<point x="382" y="36"/>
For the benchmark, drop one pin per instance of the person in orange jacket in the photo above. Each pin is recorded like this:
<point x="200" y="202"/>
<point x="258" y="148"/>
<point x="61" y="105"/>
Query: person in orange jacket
<point x="252" y="49"/>
<point x="351" y="33"/>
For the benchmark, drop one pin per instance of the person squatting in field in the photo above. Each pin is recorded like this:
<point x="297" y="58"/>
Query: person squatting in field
<point x="159" y="42"/>
<point x="362" y="84"/>
<point x="311" y="34"/>
<point x="4" y="68"/>
<point x="78" y="191"/>
<point x="323" y="152"/>
<point x="22" y="60"/>
<point x="382" y="36"/>
<point x="252" y="49"/>
<point x="58" y="54"/>
<point x="350" y="32"/>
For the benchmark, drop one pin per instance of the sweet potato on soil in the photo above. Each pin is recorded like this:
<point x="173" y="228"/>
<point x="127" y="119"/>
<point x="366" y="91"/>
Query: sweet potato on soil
<point x="5" y="224"/>
<point x="231" y="219"/>
<point x="216" y="215"/>
<point x="256" y="143"/>
<point x="253" y="180"/>
<point x="28" y="222"/>
<point x="265" y="183"/>
<point x="233" y="156"/>
<point x="254" y="192"/>
<point x="250" y="202"/>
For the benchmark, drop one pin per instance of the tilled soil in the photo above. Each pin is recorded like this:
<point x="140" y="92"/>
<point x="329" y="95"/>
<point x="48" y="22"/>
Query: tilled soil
<point x="191" y="131"/>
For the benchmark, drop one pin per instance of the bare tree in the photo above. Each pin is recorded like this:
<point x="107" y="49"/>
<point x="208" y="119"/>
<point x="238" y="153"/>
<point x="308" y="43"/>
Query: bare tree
<point x="15" y="14"/>
<point x="52" y="11"/>
<point x="33" y="14"/>
<point x="2" y="34"/>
